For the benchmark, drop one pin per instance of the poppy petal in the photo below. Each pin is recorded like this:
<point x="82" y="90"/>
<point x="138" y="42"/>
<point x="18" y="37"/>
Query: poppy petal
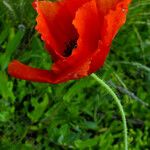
<point x="49" y="30"/>
<point x="21" y="71"/>
<point x="112" y="22"/>
<point x="88" y="26"/>
<point x="54" y="22"/>
<point x="105" y="5"/>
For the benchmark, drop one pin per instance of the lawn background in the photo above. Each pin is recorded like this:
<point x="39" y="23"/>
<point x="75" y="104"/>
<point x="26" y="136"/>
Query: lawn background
<point x="77" y="114"/>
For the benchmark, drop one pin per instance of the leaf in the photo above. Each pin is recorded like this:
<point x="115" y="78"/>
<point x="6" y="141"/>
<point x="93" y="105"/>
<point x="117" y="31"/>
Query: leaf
<point x="4" y="34"/>
<point x="6" y="87"/>
<point x="89" y="143"/>
<point x="12" y="45"/>
<point x="39" y="108"/>
<point x="77" y="87"/>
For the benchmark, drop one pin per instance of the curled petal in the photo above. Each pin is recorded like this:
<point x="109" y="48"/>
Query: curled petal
<point x="86" y="18"/>
<point x="54" y="23"/>
<point x="113" y="20"/>
<point x="105" y="5"/>
<point x="21" y="71"/>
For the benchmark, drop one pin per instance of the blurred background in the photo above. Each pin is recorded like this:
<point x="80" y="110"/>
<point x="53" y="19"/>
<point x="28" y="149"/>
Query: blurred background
<point x="77" y="114"/>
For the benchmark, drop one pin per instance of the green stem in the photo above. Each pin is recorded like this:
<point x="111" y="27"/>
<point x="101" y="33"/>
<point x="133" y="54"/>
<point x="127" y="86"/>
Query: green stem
<point x="102" y="83"/>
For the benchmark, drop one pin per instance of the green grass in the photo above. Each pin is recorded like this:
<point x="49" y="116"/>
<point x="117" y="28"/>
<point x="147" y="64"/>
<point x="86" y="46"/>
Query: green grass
<point x="77" y="114"/>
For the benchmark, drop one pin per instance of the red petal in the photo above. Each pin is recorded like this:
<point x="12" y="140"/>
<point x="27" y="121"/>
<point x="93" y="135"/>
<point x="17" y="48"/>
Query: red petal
<point x="113" y="20"/>
<point x="21" y="71"/>
<point x="99" y="57"/>
<point x="54" y="22"/>
<point x="88" y="26"/>
<point x="105" y="5"/>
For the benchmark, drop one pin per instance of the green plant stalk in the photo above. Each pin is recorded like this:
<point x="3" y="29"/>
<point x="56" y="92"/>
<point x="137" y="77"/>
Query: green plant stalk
<point x="110" y="91"/>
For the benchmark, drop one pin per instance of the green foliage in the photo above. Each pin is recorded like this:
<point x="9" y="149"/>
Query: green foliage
<point x="77" y="114"/>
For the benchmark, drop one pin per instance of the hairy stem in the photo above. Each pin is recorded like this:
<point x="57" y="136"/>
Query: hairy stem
<point x="110" y="91"/>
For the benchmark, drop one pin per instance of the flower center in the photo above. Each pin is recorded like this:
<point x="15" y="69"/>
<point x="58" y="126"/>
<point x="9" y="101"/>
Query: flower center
<point x="69" y="47"/>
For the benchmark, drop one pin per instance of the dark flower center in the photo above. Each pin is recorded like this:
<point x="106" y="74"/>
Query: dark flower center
<point x="69" y="48"/>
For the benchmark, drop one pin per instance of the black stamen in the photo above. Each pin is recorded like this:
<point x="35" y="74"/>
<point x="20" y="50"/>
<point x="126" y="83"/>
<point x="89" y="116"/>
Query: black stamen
<point x="69" y="47"/>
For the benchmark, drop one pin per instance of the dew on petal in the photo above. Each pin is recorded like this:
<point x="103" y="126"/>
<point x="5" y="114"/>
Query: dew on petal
<point x="123" y="10"/>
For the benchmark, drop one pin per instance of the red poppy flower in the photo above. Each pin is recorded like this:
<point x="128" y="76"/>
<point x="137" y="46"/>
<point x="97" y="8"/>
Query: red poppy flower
<point x="77" y="34"/>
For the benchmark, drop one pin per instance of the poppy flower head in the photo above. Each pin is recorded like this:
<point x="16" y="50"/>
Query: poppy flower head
<point x="77" y="34"/>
